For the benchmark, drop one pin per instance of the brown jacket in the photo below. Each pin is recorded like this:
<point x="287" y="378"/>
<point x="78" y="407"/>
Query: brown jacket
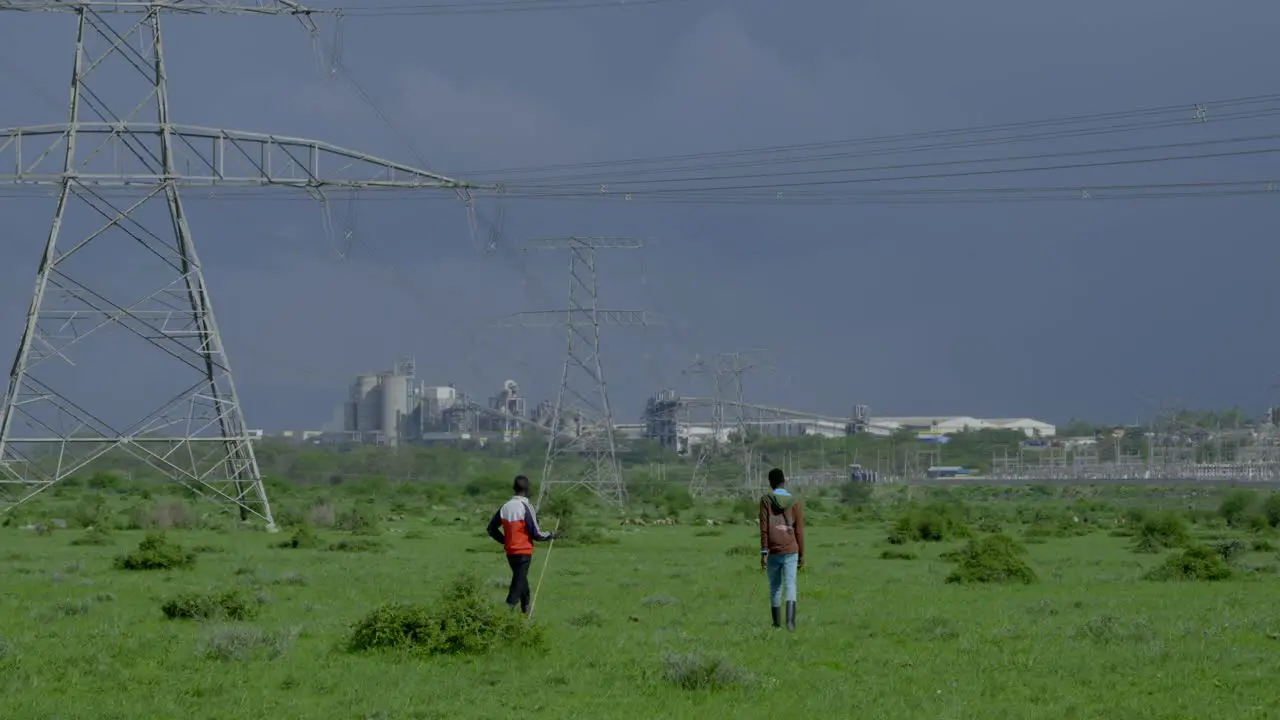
<point x="781" y="525"/>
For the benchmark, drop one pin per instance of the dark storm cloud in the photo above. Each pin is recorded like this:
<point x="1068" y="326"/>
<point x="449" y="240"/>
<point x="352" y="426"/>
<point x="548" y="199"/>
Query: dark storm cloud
<point x="1045" y="310"/>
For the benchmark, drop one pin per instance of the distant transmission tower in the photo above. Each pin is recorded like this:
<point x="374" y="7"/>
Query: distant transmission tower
<point x="582" y="419"/>
<point x="120" y="258"/>
<point x="726" y="371"/>
<point x="709" y="446"/>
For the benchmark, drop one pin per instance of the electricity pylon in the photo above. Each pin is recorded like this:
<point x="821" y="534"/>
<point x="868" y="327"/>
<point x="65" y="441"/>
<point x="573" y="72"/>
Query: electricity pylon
<point x="709" y="446"/>
<point x="119" y="217"/>
<point x="582" y="419"/>
<point x="726" y="371"/>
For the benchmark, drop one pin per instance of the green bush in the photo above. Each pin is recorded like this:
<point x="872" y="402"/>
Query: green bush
<point x="893" y="554"/>
<point x="231" y="643"/>
<point x="96" y="536"/>
<point x="1161" y="531"/>
<point x="992" y="559"/>
<point x="90" y="512"/>
<point x="1230" y="550"/>
<point x="1271" y="509"/>
<point x="856" y="494"/>
<point x="358" y="545"/>
<point x="358" y="521"/>
<point x="590" y="618"/>
<point x="224" y="605"/>
<point x="1237" y="506"/>
<point x="586" y="536"/>
<point x="746" y="509"/>
<point x="696" y="671"/>
<point x="167" y="514"/>
<point x="155" y="552"/>
<point x="1197" y="562"/>
<point x="931" y="523"/>
<point x="303" y="538"/>
<point x="463" y="622"/>
<point x="990" y="525"/>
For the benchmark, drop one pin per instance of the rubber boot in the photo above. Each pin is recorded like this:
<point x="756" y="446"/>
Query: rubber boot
<point x="777" y="616"/>
<point x="791" y="615"/>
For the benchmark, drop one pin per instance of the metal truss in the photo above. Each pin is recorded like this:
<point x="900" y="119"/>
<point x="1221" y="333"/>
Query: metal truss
<point x="120" y="264"/>
<point x="707" y="447"/>
<point x="582" y="419"/>
<point x="126" y="155"/>
<point x="732" y="366"/>
<point x="579" y="317"/>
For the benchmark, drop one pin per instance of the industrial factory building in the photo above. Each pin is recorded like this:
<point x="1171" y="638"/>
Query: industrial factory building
<point x="960" y="423"/>
<point x="393" y="406"/>
<point x="683" y="423"/>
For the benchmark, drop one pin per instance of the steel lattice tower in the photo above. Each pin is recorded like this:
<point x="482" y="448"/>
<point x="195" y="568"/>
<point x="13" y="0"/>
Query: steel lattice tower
<point x="582" y="419"/>
<point x="116" y="166"/>
<point x="728" y="367"/>
<point x="709" y="447"/>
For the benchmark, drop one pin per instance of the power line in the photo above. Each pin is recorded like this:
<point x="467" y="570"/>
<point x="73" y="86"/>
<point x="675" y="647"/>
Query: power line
<point x="1072" y="193"/>
<point x="632" y="186"/>
<point x="490" y="7"/>
<point x="1184" y="114"/>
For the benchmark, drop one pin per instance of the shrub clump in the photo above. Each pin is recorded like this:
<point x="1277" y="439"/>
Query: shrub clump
<point x="358" y="545"/>
<point x="169" y="514"/>
<point x="932" y="523"/>
<point x="463" y="622"/>
<point x="224" y="605"/>
<point x="303" y="538"/>
<point x="1231" y="550"/>
<point x="237" y="643"/>
<point x="358" y="521"/>
<point x="96" y="536"/>
<point x="590" y="618"/>
<point x="992" y="559"/>
<point x="696" y="671"/>
<point x="581" y="536"/>
<point x="155" y="552"/>
<point x="1198" y="562"/>
<point x="1271" y="509"/>
<point x="892" y="554"/>
<point x="1237" y="507"/>
<point x="1161" y="531"/>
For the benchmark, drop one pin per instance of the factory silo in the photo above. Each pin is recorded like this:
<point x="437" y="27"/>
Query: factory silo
<point x="349" y="416"/>
<point x="368" y="403"/>
<point x="395" y="406"/>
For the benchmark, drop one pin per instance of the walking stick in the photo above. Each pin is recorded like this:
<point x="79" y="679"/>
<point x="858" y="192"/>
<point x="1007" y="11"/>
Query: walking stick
<point x="534" y="600"/>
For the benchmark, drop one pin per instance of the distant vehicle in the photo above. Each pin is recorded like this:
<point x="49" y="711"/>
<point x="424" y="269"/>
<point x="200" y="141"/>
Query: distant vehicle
<point x="949" y="471"/>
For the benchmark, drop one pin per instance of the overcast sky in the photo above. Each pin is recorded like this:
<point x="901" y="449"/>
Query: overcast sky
<point x="1094" y="310"/>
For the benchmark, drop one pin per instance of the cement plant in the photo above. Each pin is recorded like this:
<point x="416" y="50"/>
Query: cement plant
<point x="394" y="407"/>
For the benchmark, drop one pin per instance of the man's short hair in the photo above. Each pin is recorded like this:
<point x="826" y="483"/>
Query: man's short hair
<point x="776" y="478"/>
<point x="521" y="485"/>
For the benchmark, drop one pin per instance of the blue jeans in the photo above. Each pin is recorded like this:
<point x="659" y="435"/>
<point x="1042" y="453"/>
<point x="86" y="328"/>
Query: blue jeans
<point x="778" y="567"/>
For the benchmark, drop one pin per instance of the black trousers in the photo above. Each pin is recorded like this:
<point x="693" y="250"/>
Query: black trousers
<point x="519" y="591"/>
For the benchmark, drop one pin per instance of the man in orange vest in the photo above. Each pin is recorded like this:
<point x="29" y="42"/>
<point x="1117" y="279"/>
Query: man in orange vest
<point x="515" y="525"/>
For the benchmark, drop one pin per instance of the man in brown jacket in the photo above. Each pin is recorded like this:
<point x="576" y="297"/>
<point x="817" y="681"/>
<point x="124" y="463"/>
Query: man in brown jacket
<point x="781" y="545"/>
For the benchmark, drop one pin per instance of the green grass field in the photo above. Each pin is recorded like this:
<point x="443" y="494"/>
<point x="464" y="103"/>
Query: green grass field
<point x="877" y="638"/>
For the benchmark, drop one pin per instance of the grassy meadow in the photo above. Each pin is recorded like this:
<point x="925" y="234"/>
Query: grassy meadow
<point x="1060" y="616"/>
